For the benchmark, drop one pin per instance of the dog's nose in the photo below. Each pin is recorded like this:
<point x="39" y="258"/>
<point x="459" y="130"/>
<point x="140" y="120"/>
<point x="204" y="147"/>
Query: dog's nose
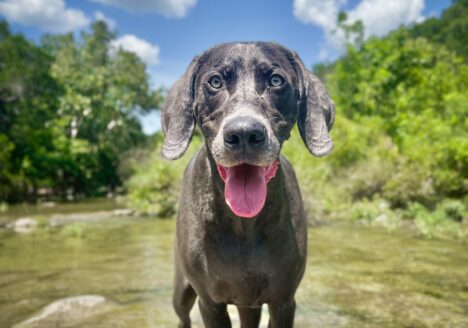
<point x="244" y="133"/>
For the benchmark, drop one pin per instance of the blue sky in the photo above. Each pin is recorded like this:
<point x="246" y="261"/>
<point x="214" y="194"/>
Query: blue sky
<point x="167" y="34"/>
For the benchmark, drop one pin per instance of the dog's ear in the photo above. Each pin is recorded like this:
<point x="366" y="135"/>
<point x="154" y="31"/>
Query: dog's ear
<point x="178" y="118"/>
<point x="316" y="111"/>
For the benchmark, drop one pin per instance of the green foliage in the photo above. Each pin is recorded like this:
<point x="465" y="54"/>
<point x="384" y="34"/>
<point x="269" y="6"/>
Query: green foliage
<point x="358" y="168"/>
<point x="353" y="33"/>
<point x="367" y="210"/>
<point x="27" y="100"/>
<point x="451" y="29"/>
<point x="67" y="111"/>
<point x="439" y="222"/>
<point x="401" y="139"/>
<point x="418" y="90"/>
<point x="375" y="212"/>
<point x="453" y="209"/>
<point x="154" y="186"/>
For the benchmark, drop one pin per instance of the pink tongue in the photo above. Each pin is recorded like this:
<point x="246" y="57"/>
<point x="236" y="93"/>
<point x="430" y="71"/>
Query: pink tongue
<point x="246" y="187"/>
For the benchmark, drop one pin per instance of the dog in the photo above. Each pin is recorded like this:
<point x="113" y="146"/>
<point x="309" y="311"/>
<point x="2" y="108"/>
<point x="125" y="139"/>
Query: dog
<point x="241" y="235"/>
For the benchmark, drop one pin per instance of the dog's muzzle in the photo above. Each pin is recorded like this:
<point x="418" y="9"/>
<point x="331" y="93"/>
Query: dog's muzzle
<point x="245" y="184"/>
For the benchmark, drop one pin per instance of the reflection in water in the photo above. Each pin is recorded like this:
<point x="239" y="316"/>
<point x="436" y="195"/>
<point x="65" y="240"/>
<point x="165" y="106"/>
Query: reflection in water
<point x="356" y="277"/>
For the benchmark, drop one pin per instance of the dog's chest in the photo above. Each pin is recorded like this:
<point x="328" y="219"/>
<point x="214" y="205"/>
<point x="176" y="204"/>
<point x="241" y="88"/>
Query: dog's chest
<point x="244" y="271"/>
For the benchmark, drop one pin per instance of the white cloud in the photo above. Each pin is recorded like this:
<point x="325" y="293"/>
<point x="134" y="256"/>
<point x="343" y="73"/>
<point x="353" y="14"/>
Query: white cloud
<point x="381" y="16"/>
<point x="378" y="16"/>
<point x="98" y="15"/>
<point x="48" y="15"/>
<point x="168" y="8"/>
<point x="322" y="13"/>
<point x="147" y="52"/>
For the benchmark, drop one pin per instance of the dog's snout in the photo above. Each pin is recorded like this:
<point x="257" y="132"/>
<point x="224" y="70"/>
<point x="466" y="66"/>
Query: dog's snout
<point x="244" y="133"/>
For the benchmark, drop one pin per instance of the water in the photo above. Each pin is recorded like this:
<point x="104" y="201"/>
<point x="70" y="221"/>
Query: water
<point x="355" y="277"/>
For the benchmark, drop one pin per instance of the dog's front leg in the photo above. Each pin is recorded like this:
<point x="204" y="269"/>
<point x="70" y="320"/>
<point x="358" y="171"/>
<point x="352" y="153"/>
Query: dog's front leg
<point x="214" y="315"/>
<point x="282" y="314"/>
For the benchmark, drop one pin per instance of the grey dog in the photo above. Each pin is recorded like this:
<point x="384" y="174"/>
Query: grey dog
<point x="241" y="229"/>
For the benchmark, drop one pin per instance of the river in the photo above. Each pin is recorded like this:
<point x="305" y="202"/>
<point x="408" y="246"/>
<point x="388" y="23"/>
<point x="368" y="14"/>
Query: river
<point x="355" y="277"/>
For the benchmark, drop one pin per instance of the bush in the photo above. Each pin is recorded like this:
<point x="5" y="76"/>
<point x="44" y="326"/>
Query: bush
<point x="375" y="212"/>
<point x="453" y="209"/>
<point x="414" y="92"/>
<point x="154" y="186"/>
<point x="440" y="222"/>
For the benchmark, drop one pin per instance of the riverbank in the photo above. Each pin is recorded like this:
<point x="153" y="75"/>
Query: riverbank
<point x="25" y="218"/>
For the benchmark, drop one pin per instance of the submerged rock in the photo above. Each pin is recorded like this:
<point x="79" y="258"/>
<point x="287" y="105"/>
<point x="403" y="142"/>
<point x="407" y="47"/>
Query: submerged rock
<point x="62" y="219"/>
<point x="66" y="310"/>
<point x="123" y="212"/>
<point x="48" y="204"/>
<point x="25" y="225"/>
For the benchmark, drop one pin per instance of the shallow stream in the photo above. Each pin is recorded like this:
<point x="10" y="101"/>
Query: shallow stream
<point x="355" y="277"/>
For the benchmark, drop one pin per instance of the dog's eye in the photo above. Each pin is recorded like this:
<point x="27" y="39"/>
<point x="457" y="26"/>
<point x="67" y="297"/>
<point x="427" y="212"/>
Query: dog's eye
<point x="276" y="80"/>
<point x="215" y="82"/>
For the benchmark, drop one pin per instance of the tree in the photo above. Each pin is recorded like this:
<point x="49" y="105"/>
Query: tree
<point x="28" y="99"/>
<point x="450" y="30"/>
<point x="104" y="88"/>
<point x="67" y="111"/>
<point x="351" y="33"/>
<point x="418" y="89"/>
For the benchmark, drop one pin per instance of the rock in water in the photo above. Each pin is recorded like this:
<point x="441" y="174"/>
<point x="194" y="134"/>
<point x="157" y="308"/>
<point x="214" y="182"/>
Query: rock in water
<point x="122" y="212"/>
<point x="25" y="225"/>
<point x="65" y="310"/>
<point x="64" y="219"/>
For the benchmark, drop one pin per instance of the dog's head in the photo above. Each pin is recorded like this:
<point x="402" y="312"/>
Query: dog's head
<point x="246" y="98"/>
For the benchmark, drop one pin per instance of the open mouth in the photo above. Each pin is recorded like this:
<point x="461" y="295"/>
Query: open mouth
<point x="245" y="187"/>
